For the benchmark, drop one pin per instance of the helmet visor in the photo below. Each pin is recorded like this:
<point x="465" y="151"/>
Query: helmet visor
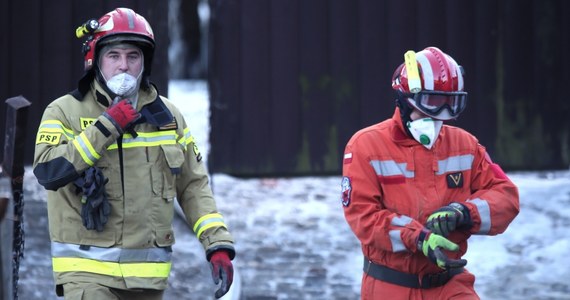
<point x="433" y="102"/>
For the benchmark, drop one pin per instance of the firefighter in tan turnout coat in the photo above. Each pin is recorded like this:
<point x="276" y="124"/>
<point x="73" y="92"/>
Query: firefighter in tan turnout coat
<point x="114" y="155"/>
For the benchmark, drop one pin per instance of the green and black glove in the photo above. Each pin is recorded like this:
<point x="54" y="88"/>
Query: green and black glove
<point x="432" y="245"/>
<point x="448" y="218"/>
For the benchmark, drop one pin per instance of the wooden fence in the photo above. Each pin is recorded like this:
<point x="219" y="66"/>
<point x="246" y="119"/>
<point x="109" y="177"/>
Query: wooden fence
<point x="291" y="81"/>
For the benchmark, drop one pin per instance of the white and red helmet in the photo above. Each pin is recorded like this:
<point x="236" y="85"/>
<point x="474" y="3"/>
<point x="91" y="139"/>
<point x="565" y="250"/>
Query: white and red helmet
<point x="438" y="91"/>
<point x="121" y="25"/>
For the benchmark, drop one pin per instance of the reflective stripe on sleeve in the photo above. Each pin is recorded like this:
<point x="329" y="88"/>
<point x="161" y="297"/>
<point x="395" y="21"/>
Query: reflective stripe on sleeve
<point x="395" y="237"/>
<point x="208" y="221"/>
<point x="484" y="213"/>
<point x="55" y="126"/>
<point x="396" y="240"/>
<point x="455" y="164"/>
<point x="401" y="221"/>
<point x="186" y="140"/>
<point x="85" y="149"/>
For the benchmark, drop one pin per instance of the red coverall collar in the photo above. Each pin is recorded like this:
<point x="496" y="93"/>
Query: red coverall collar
<point x="398" y="133"/>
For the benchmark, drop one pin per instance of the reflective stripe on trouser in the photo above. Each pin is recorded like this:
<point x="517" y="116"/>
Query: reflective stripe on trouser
<point x="151" y="262"/>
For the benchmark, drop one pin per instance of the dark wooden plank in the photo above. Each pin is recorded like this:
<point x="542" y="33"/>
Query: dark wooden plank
<point x="345" y="63"/>
<point x="224" y="85"/>
<point x="285" y="94"/>
<point x="376" y="100"/>
<point x="255" y="82"/>
<point x="315" y="82"/>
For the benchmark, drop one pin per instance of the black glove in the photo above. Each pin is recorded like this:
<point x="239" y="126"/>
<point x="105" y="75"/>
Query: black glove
<point x="96" y="208"/>
<point x="431" y="245"/>
<point x="449" y="218"/>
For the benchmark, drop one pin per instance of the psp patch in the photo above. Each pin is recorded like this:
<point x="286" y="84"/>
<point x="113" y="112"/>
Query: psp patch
<point x="455" y="180"/>
<point x="346" y="190"/>
<point x="48" y="138"/>
<point x="84" y="122"/>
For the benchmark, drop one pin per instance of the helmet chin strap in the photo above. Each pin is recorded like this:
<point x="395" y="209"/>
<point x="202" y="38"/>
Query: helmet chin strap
<point x="405" y="112"/>
<point x="103" y="83"/>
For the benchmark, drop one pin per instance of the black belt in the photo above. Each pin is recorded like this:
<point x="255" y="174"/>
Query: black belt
<point x="386" y="274"/>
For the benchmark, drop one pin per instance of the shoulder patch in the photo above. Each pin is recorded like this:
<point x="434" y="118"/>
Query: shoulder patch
<point x="455" y="180"/>
<point x="346" y="189"/>
<point x="84" y="122"/>
<point x="48" y="138"/>
<point x="347" y="158"/>
<point x="197" y="152"/>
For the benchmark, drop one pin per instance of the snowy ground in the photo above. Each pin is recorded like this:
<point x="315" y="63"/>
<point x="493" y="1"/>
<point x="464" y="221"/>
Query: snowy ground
<point x="293" y="243"/>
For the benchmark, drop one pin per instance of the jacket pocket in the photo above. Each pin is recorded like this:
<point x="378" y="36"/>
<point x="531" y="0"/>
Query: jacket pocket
<point x="174" y="157"/>
<point x="164" y="237"/>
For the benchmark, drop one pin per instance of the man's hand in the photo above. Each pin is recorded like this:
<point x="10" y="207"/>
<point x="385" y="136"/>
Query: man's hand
<point x="432" y="245"/>
<point x="222" y="270"/>
<point x="122" y="115"/>
<point x="448" y="218"/>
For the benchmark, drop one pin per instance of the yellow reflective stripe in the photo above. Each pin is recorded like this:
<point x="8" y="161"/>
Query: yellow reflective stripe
<point x="148" y="139"/>
<point x="55" y="126"/>
<point x="70" y="264"/>
<point x="208" y="221"/>
<point x="146" y="269"/>
<point x="82" y="153"/>
<point x="208" y="226"/>
<point x="186" y="139"/>
<point x="92" y="151"/>
<point x="86" y="150"/>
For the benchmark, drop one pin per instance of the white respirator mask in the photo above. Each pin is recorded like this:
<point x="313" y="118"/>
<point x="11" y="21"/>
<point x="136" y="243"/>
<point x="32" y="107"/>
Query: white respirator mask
<point x="425" y="130"/>
<point x="124" y="84"/>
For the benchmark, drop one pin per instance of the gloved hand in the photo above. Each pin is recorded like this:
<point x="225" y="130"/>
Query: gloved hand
<point x="122" y="115"/>
<point x="449" y="218"/>
<point x="222" y="269"/>
<point x="432" y="245"/>
<point x="96" y="208"/>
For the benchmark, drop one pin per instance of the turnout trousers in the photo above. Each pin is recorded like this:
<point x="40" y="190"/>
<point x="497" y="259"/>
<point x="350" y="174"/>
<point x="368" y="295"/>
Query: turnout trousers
<point x="87" y="291"/>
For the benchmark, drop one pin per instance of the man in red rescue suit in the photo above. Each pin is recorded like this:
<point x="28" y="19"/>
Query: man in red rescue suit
<point x="414" y="190"/>
<point x="114" y="155"/>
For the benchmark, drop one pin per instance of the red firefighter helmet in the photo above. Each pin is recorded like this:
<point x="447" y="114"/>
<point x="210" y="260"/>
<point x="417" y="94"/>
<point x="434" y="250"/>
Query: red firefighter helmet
<point x="120" y="25"/>
<point x="436" y="89"/>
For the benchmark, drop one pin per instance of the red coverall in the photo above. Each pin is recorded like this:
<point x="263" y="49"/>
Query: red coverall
<point x="391" y="184"/>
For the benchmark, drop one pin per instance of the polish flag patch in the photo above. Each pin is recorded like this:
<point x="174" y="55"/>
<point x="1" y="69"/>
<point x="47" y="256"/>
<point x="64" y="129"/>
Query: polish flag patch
<point x="347" y="158"/>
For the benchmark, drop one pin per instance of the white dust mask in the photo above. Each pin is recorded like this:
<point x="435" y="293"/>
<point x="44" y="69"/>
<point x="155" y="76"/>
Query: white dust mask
<point x="123" y="84"/>
<point x="425" y="130"/>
